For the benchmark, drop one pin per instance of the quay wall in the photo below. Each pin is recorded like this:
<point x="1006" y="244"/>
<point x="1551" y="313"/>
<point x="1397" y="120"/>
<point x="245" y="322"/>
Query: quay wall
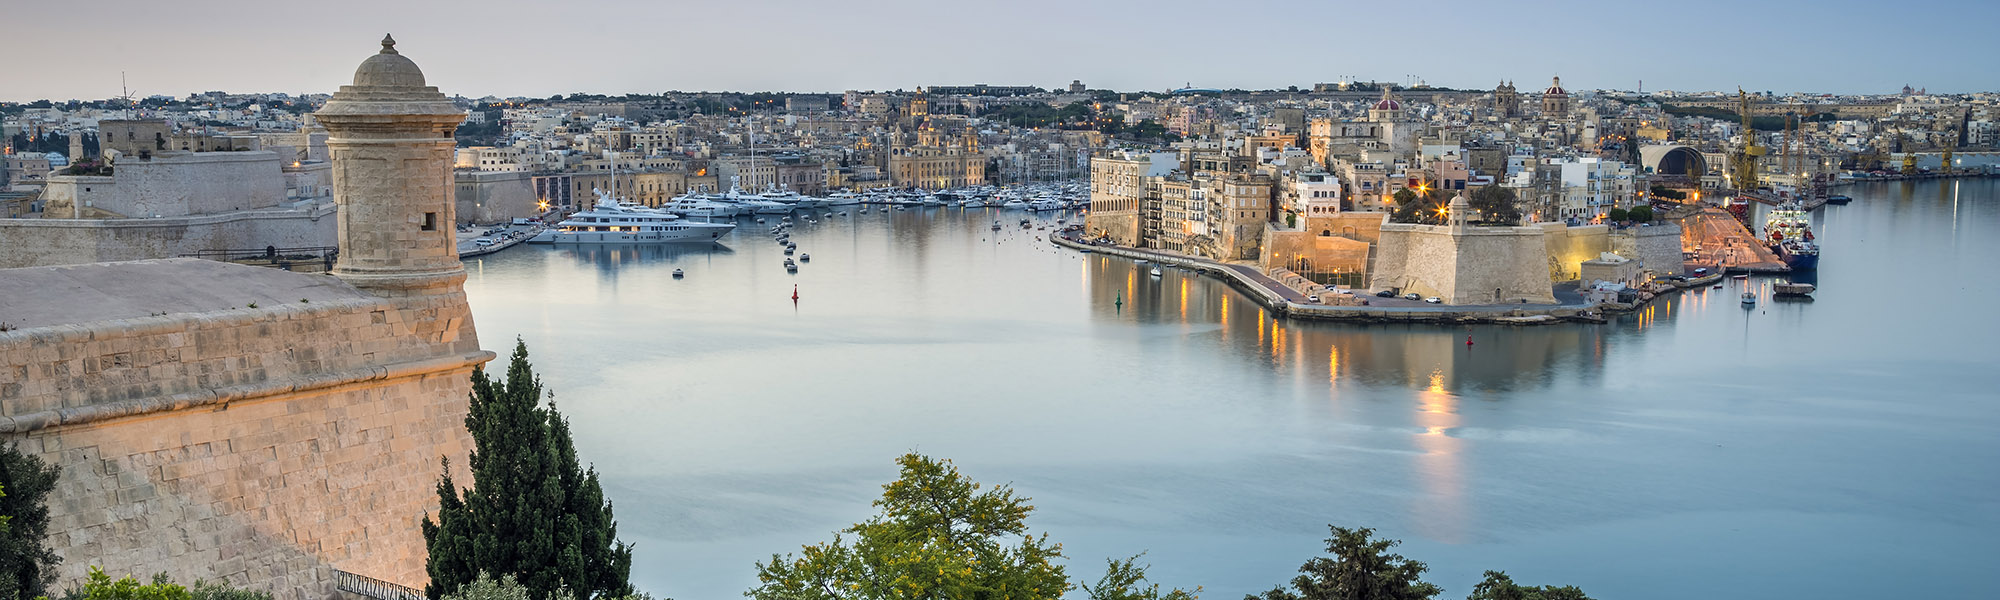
<point x="259" y="446"/>
<point x="45" y="242"/>
<point x="1279" y="306"/>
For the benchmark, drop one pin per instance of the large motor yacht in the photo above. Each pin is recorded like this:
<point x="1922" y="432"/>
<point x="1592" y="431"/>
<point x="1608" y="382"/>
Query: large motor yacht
<point x="614" y="222"/>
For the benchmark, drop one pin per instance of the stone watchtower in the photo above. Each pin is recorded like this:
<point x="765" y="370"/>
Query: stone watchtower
<point x="391" y="141"/>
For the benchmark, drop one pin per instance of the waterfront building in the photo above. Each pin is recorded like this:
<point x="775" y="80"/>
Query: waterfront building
<point x="937" y="159"/>
<point x="1120" y="183"/>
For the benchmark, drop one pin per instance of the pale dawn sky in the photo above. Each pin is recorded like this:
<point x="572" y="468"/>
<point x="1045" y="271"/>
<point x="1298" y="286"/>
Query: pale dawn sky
<point x="537" y="48"/>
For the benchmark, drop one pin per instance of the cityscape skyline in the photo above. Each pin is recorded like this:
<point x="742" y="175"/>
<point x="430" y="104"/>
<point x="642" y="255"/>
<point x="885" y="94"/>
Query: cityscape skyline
<point x="648" y="48"/>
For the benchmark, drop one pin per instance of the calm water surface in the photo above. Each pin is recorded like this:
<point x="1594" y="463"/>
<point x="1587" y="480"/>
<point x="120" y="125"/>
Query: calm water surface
<point x="1839" y="448"/>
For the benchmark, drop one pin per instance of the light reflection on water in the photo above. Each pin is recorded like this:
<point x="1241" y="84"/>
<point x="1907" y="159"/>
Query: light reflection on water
<point x="1787" y="449"/>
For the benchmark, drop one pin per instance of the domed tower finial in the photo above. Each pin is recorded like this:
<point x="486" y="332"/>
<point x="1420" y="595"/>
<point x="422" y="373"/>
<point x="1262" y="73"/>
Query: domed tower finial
<point x="389" y="44"/>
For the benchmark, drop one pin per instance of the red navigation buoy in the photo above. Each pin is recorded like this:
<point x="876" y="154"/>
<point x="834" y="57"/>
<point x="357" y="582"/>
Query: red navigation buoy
<point x="795" y="292"/>
<point x="1468" y="340"/>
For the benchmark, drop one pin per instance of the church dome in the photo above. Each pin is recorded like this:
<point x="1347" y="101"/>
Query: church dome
<point x="388" y="68"/>
<point x="1388" y="102"/>
<point x="1556" y="88"/>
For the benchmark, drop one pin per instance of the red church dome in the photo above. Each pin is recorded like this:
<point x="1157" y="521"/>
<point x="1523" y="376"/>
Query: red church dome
<point x="1556" y="88"/>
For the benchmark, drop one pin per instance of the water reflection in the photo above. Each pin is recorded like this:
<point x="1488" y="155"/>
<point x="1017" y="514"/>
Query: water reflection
<point x="1502" y="359"/>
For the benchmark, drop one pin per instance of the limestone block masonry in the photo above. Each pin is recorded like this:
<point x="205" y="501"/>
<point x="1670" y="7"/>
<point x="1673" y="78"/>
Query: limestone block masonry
<point x="223" y="422"/>
<point x="262" y="446"/>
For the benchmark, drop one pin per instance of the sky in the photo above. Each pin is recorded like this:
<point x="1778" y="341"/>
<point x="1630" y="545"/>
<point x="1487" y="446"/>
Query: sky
<point x="543" y="47"/>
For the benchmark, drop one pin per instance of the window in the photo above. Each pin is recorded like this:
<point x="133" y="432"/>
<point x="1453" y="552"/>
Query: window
<point x="430" y="221"/>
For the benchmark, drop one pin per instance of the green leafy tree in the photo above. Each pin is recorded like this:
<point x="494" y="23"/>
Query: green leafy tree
<point x="204" y="590"/>
<point x="532" y="511"/>
<point x="1498" y="586"/>
<point x="1360" y="568"/>
<point x="1411" y="207"/>
<point x="1495" y="205"/>
<point x="1125" y="579"/>
<point x="1618" y="215"/>
<point x="27" y="565"/>
<point x="938" y="535"/>
<point x="98" y="586"/>
<point x="1642" y="214"/>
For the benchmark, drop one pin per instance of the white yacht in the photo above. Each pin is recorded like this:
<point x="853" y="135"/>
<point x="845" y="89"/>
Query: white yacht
<point x="788" y="197"/>
<point x="613" y="222"/>
<point x="843" y="199"/>
<point x="697" y="206"/>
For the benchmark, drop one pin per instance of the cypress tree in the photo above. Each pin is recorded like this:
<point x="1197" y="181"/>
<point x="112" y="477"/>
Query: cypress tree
<point x="27" y="566"/>
<point x="532" y="511"/>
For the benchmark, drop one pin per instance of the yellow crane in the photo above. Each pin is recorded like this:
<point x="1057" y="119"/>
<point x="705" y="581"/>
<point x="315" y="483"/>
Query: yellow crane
<point x="1746" y="159"/>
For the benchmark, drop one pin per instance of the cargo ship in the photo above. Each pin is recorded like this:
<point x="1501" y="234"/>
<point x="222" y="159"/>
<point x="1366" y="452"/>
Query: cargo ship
<point x="1788" y="231"/>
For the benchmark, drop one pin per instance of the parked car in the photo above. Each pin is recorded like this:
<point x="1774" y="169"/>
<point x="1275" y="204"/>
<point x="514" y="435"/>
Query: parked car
<point x="483" y="241"/>
<point x="1434" y="300"/>
<point x="1313" y="299"/>
<point x="1385" y="294"/>
<point x="1412" y="296"/>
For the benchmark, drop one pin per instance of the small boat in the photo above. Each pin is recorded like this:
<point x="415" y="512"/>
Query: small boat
<point x="1838" y="199"/>
<point x="1156" y="271"/>
<point x="1717" y="286"/>
<point x="1741" y="277"/>
<point x="791" y="266"/>
<point x="1793" y="289"/>
<point x="678" y="274"/>
<point x="805" y="258"/>
<point x="1749" y="298"/>
<point x="790" y="249"/>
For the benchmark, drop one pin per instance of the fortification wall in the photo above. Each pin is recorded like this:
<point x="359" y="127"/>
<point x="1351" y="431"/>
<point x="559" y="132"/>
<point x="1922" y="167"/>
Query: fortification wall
<point x="1121" y="226"/>
<point x="261" y="446"/>
<point x="1567" y="247"/>
<point x="43" y="242"/>
<point x="1477" y="265"/>
<point x="1656" y="247"/>
<point x="175" y="185"/>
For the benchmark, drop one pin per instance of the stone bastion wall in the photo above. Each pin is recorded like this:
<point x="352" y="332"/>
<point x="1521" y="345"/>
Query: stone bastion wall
<point x="262" y="446"/>
<point x="42" y="242"/>
<point x="1471" y="265"/>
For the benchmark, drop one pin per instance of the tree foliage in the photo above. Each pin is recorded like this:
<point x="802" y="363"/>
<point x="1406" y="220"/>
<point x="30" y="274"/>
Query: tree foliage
<point x="1668" y="193"/>
<point x="99" y="586"/>
<point x="1498" y="586"/>
<point x="1360" y="568"/>
<point x="1640" y="214"/>
<point x="27" y="565"/>
<point x="533" y="512"/>
<point x="1617" y="215"/>
<point x="937" y="535"/>
<point x="1125" y="579"/>
<point x="1495" y="205"/>
<point x="1414" y="208"/>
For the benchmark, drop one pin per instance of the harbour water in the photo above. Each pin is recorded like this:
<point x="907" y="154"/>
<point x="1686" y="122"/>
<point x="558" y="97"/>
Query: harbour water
<point x="1836" y="448"/>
